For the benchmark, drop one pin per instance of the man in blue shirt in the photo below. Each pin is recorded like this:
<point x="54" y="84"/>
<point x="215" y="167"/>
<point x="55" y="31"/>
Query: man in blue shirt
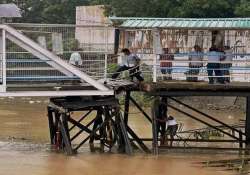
<point x="214" y="58"/>
<point x="131" y="63"/>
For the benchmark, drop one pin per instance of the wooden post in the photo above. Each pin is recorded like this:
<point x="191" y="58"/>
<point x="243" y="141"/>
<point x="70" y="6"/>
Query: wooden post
<point x="126" y="107"/>
<point x="65" y="133"/>
<point x="124" y="133"/>
<point x="52" y="128"/>
<point x="247" y="123"/>
<point x="154" y="128"/>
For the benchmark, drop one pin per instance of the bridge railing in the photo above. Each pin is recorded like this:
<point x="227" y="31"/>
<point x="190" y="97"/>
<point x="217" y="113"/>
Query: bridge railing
<point x="93" y="43"/>
<point x="181" y="68"/>
<point x="24" y="66"/>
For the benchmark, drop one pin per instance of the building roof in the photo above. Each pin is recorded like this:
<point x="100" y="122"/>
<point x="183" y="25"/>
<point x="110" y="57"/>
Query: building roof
<point x="192" y="23"/>
<point x="9" y="11"/>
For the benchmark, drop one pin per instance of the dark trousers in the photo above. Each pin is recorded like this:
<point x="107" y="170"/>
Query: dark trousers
<point x="161" y="128"/>
<point x="214" y="67"/>
<point x="225" y="68"/>
<point x="133" y="72"/>
<point x="193" y="72"/>
<point x="167" y="70"/>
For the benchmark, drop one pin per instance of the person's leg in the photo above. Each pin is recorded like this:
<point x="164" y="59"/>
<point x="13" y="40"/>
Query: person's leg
<point x="135" y="72"/>
<point x="227" y="72"/>
<point x="229" y="67"/>
<point x="169" y="70"/>
<point x="189" y="73"/>
<point x="173" y="133"/>
<point x="118" y="71"/>
<point x="218" y="74"/>
<point x="196" y="73"/>
<point x="163" y="132"/>
<point x="210" y="69"/>
<point x="158" y="128"/>
<point x="164" y="71"/>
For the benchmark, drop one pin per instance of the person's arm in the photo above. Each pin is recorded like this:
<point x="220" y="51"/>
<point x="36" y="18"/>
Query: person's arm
<point x="189" y="58"/>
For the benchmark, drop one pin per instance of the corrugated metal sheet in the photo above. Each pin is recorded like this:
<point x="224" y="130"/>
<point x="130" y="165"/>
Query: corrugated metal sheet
<point x="9" y="11"/>
<point x="223" y="23"/>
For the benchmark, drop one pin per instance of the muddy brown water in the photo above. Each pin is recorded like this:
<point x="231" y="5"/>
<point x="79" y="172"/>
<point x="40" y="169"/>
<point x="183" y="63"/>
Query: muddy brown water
<point x="24" y="147"/>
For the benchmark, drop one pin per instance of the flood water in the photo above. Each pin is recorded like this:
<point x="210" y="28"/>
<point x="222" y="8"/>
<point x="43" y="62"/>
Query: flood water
<point x="25" y="149"/>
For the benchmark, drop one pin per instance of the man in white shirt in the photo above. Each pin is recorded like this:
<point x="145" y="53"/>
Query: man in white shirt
<point x="214" y="57"/>
<point x="131" y="63"/>
<point x="172" y="127"/>
<point x="75" y="59"/>
<point x="194" y="67"/>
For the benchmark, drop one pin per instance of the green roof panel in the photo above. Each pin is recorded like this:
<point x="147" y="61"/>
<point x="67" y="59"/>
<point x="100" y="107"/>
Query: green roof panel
<point x="221" y="23"/>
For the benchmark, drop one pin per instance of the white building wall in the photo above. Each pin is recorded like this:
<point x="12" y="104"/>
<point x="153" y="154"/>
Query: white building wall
<point x="94" y="38"/>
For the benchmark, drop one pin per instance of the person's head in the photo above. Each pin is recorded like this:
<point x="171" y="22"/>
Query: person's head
<point x="126" y="51"/>
<point x="170" y="117"/>
<point x="165" y="50"/>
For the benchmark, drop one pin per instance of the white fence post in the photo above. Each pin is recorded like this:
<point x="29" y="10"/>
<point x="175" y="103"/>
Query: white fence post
<point x="106" y="53"/>
<point x="155" y="68"/>
<point x="157" y="51"/>
<point x="3" y="89"/>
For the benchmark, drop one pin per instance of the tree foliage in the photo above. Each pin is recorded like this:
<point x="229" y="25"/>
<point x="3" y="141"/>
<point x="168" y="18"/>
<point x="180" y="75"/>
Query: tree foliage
<point x="63" y="11"/>
<point x="48" y="11"/>
<point x="177" y="8"/>
<point x="243" y="9"/>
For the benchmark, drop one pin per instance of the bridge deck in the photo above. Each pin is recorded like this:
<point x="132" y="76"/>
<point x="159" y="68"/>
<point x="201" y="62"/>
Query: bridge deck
<point x="184" y="88"/>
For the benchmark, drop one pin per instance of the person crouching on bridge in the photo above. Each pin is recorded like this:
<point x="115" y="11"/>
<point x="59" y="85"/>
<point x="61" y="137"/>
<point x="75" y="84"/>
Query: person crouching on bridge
<point x="172" y="127"/>
<point x="75" y="59"/>
<point x="166" y="64"/>
<point x="131" y="63"/>
<point x="214" y="57"/>
<point x="194" y="67"/>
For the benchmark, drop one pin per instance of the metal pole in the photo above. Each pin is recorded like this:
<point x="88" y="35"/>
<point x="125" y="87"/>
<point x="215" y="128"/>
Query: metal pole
<point x="247" y="124"/>
<point x="155" y="69"/>
<point x="106" y="53"/>
<point x="4" y="60"/>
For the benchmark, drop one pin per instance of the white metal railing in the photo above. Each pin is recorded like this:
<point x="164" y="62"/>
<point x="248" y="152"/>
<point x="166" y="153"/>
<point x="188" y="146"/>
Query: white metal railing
<point x="181" y="68"/>
<point x="26" y="59"/>
<point x="96" y="50"/>
<point x="93" y="43"/>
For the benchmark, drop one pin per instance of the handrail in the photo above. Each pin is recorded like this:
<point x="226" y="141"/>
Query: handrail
<point x="36" y="49"/>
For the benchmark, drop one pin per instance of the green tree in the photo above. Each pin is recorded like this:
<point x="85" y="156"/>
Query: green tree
<point x="205" y="8"/>
<point x="48" y="11"/>
<point x="61" y="11"/>
<point x="243" y="9"/>
<point x="176" y="8"/>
